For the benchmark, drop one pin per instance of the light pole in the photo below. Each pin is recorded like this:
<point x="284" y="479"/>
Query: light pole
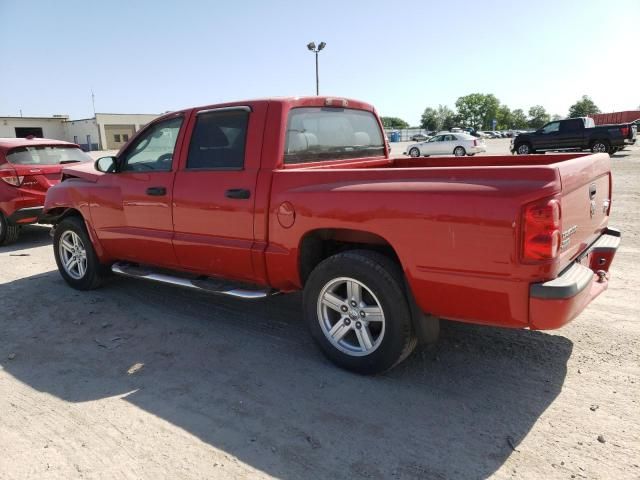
<point x="312" y="47"/>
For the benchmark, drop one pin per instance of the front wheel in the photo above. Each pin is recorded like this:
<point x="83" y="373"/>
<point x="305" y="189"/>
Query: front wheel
<point x="75" y="256"/>
<point x="600" y="146"/>
<point x="459" y="152"/>
<point x="357" y="311"/>
<point x="414" y="152"/>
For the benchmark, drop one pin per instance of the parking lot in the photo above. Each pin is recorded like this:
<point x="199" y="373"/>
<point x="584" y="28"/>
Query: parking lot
<point x="140" y="380"/>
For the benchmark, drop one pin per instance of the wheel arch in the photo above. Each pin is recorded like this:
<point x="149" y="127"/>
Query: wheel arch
<point x="317" y="245"/>
<point x="55" y="215"/>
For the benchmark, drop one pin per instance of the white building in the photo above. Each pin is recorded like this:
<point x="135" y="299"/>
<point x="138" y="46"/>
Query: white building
<point x="105" y="131"/>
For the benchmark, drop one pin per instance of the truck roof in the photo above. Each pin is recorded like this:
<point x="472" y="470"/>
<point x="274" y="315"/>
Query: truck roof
<point x="10" y="143"/>
<point x="315" y="101"/>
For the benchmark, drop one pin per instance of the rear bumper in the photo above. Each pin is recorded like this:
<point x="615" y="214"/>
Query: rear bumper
<point x="25" y="215"/>
<point x="555" y="303"/>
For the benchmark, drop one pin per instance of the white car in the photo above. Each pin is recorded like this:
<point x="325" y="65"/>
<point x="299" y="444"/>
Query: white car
<point x="458" y="144"/>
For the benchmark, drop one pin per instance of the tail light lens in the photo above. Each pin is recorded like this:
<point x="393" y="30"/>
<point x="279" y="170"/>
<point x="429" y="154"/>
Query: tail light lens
<point x="475" y="143"/>
<point x="625" y="131"/>
<point x="541" y="228"/>
<point x="8" y="175"/>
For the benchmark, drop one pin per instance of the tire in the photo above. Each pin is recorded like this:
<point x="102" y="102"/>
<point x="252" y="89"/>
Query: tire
<point x="9" y="232"/>
<point x="390" y="337"/>
<point x="414" y="152"/>
<point x="600" y="146"/>
<point x="459" y="152"/>
<point x="523" y="149"/>
<point x="86" y="273"/>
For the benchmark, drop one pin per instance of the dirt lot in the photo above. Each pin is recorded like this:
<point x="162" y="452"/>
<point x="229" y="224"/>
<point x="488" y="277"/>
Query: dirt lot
<point x="138" y="380"/>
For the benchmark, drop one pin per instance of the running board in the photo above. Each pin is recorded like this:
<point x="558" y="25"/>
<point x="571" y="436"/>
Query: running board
<point x="208" y="284"/>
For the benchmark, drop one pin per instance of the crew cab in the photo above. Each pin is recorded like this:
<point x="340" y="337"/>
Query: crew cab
<point x="28" y="167"/>
<point x="575" y="134"/>
<point x="259" y="197"/>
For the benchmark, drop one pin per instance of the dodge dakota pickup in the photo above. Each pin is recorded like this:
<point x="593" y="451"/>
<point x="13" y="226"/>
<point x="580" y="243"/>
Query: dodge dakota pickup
<point x="254" y="198"/>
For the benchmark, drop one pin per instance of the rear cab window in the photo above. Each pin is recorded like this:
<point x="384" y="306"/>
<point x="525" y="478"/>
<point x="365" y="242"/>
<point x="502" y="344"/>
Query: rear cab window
<point x="46" y="155"/>
<point x="317" y="134"/>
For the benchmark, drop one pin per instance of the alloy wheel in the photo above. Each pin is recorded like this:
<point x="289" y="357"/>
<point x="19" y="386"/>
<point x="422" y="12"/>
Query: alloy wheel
<point x="350" y="316"/>
<point x="73" y="254"/>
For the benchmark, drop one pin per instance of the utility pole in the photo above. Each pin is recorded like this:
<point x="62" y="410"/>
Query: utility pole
<point x="312" y="47"/>
<point x="93" y="103"/>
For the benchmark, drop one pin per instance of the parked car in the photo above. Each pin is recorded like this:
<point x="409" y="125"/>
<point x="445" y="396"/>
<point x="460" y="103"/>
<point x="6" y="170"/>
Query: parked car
<point x="28" y="167"/>
<point x="491" y="134"/>
<point x="252" y="198"/>
<point x="458" y="144"/>
<point x="420" y="137"/>
<point x="575" y="134"/>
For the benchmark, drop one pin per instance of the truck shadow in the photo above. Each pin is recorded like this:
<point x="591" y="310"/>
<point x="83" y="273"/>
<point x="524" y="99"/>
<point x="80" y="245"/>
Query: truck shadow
<point x="246" y="379"/>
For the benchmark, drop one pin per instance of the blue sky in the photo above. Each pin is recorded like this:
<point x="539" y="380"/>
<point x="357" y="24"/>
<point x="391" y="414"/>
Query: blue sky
<point x="153" y="56"/>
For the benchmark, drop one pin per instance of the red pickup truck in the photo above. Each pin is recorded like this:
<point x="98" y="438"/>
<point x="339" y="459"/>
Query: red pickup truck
<point x="269" y="196"/>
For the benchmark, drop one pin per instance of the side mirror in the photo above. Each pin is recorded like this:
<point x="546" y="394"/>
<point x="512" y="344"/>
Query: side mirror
<point x="105" y="164"/>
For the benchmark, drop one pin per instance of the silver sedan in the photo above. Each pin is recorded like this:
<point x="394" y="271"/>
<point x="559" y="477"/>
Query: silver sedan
<point x="458" y="144"/>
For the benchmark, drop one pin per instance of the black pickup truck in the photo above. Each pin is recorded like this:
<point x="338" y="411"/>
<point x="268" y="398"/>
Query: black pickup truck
<point x="575" y="134"/>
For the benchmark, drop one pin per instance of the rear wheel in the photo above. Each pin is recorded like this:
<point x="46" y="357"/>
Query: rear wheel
<point x="459" y="152"/>
<point x="357" y="311"/>
<point x="8" y="231"/>
<point x="523" y="149"/>
<point x="600" y="146"/>
<point x="75" y="256"/>
<point x="414" y="152"/>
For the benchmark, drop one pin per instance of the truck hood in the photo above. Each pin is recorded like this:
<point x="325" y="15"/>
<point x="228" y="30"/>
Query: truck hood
<point x="85" y="171"/>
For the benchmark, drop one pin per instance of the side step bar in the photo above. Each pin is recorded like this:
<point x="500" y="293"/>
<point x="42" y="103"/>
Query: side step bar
<point x="209" y="285"/>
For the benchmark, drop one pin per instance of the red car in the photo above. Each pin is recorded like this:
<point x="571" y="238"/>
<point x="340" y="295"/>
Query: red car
<point x="258" y="197"/>
<point x="28" y="167"/>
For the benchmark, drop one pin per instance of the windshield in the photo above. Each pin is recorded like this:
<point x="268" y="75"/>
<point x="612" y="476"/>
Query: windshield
<point x="46" y="155"/>
<point x="315" y="134"/>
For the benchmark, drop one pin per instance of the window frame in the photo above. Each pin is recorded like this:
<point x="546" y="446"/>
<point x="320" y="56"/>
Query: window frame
<point x="123" y="155"/>
<point x="243" y="108"/>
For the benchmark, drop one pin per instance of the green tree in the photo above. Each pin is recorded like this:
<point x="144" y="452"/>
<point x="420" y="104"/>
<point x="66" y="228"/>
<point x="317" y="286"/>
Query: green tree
<point x="583" y="107"/>
<point x="477" y="110"/>
<point x="556" y="117"/>
<point x="504" y="118"/>
<point x="538" y="116"/>
<point x="393" y="122"/>
<point x="519" y="119"/>
<point x="446" y="118"/>
<point x="429" y="119"/>
<point x="438" y="119"/>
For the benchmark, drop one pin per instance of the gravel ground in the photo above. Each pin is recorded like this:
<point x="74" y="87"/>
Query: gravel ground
<point x="138" y="380"/>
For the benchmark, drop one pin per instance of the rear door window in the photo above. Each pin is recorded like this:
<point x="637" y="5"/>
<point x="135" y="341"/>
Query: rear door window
<point x="315" y="134"/>
<point x="218" y="140"/>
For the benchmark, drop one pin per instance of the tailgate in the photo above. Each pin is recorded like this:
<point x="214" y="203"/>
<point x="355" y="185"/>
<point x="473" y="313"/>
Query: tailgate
<point x="585" y="202"/>
<point x="38" y="179"/>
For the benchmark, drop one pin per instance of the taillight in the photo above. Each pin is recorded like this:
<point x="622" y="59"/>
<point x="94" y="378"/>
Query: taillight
<point x="541" y="228"/>
<point x="475" y="143"/>
<point x="8" y="175"/>
<point x="625" y="131"/>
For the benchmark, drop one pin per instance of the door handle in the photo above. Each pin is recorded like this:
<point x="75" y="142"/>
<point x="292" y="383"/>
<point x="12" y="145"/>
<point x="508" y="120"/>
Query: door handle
<point x="238" y="193"/>
<point x="156" y="191"/>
